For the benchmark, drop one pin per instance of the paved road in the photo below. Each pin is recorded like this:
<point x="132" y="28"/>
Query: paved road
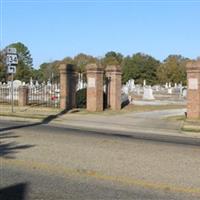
<point x="49" y="162"/>
<point x="150" y="121"/>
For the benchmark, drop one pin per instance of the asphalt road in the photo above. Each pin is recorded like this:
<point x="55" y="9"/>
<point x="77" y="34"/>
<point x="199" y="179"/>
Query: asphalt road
<point x="41" y="161"/>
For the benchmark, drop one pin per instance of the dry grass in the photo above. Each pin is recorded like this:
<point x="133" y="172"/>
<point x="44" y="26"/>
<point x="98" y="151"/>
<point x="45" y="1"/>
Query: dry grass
<point x="40" y="112"/>
<point x="28" y="111"/>
<point x="143" y="108"/>
<point x="134" y="108"/>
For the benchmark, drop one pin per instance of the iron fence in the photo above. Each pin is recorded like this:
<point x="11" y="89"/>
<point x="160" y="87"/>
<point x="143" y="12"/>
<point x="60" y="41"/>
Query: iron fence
<point x="44" y="95"/>
<point x="6" y="94"/>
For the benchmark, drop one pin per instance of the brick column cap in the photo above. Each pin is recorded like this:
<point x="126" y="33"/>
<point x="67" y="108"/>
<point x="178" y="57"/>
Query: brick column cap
<point x="113" y="68"/>
<point x="93" y="67"/>
<point x="193" y="66"/>
<point x="23" y="86"/>
<point x="62" y="67"/>
<point x="67" y="68"/>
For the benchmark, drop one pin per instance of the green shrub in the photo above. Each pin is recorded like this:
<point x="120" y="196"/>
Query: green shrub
<point x="81" y="99"/>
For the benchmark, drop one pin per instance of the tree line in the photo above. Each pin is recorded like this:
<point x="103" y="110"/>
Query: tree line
<point x="138" y="66"/>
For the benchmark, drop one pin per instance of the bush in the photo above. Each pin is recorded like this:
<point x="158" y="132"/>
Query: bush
<point x="81" y="98"/>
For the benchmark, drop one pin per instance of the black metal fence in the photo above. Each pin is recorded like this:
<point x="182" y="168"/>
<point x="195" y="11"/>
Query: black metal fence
<point x="44" y="95"/>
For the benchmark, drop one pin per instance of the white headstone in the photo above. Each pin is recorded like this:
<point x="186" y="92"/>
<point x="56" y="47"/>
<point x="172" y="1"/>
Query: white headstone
<point x="17" y="83"/>
<point x="125" y="89"/>
<point x="184" y="92"/>
<point x="157" y="88"/>
<point x="36" y="83"/>
<point x="132" y="84"/>
<point x="31" y="81"/>
<point x="144" y="83"/>
<point x="148" y="93"/>
<point x="49" y="82"/>
<point x="169" y="91"/>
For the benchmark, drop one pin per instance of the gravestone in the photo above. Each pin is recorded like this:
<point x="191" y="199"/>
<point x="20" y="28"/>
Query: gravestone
<point x="184" y="92"/>
<point x="169" y="91"/>
<point x="36" y="83"/>
<point x="148" y="93"/>
<point x="125" y="89"/>
<point x="17" y="83"/>
<point x="31" y="82"/>
<point x="144" y="83"/>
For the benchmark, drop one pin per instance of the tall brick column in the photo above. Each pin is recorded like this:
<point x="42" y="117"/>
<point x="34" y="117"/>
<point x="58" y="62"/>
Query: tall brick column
<point x="193" y="93"/>
<point x="114" y="74"/>
<point x="68" y="82"/>
<point x="23" y="96"/>
<point x="94" y="88"/>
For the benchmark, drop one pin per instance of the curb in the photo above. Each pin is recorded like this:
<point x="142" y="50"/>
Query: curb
<point x="183" y="138"/>
<point x="136" y="133"/>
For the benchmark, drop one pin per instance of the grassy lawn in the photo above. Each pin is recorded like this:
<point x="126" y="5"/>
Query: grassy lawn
<point x="143" y="108"/>
<point x="134" y="108"/>
<point x="188" y="125"/>
<point x="28" y="111"/>
<point x="41" y="112"/>
<point x="192" y="125"/>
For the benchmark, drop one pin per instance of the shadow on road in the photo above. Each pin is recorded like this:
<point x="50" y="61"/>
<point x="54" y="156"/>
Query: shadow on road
<point x="8" y="148"/>
<point x="14" y="192"/>
<point x="151" y="137"/>
<point x="171" y="139"/>
<point x="46" y="120"/>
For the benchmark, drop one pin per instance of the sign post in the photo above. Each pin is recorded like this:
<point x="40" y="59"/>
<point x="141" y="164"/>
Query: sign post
<point x="11" y="63"/>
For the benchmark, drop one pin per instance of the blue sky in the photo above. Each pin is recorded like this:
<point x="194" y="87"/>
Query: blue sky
<point x="56" y="29"/>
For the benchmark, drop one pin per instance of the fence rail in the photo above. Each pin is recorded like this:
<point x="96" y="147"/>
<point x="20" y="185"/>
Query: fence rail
<point x="38" y="95"/>
<point x="6" y="94"/>
<point x="44" y="95"/>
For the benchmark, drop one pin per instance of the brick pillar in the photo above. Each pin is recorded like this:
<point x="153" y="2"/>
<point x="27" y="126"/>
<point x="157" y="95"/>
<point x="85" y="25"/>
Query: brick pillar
<point x="23" y="96"/>
<point x="68" y="82"/>
<point x="94" y="88"/>
<point x="193" y="93"/>
<point x="113" y="73"/>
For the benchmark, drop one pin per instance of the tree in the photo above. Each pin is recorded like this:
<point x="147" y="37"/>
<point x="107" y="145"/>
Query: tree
<point x="81" y="61"/>
<point x="173" y="70"/>
<point x="140" y="67"/>
<point x="112" y="58"/>
<point x="25" y="63"/>
<point x="48" y="71"/>
<point x="2" y="68"/>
